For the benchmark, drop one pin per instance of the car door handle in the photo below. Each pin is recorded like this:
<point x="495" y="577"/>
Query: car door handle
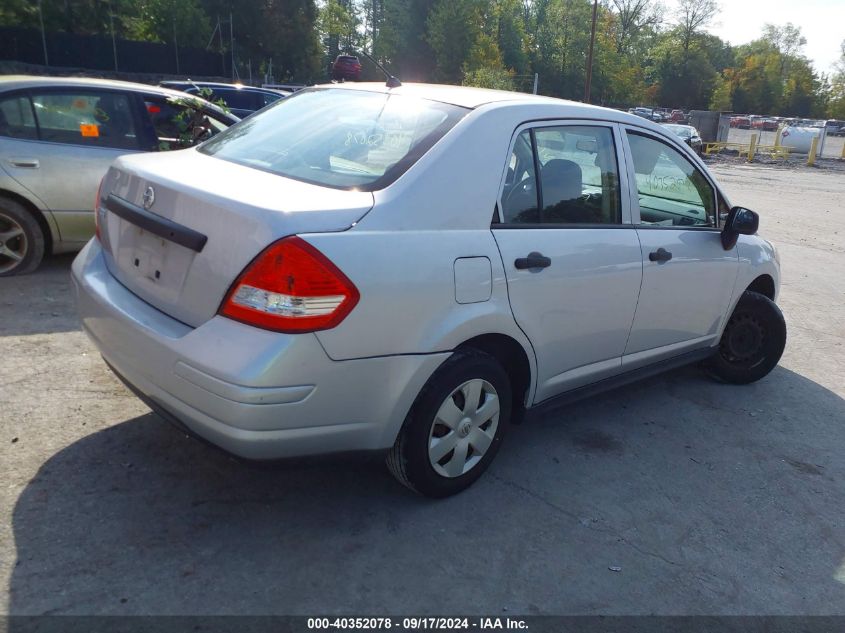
<point x="25" y="162"/>
<point x="660" y="255"/>
<point x="534" y="260"/>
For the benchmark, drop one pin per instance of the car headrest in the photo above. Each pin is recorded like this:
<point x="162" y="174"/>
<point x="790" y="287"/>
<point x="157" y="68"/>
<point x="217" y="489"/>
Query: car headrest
<point x="562" y="180"/>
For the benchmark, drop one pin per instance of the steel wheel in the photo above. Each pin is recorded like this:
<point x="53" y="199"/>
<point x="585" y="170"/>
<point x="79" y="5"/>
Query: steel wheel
<point x="744" y="339"/>
<point x="463" y="428"/>
<point x="13" y="243"/>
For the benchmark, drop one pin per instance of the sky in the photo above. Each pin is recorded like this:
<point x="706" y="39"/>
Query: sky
<point x="822" y="22"/>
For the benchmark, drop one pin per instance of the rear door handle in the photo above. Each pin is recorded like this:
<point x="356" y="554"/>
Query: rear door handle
<point x="534" y="260"/>
<point x="32" y="163"/>
<point x="660" y="255"/>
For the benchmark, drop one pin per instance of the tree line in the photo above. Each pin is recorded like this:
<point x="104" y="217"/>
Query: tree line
<point x="645" y="54"/>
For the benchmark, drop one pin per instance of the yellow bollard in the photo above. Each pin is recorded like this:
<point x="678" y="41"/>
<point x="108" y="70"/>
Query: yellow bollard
<point x="752" y="148"/>
<point x="843" y="152"/>
<point x="811" y="157"/>
<point x="777" y="135"/>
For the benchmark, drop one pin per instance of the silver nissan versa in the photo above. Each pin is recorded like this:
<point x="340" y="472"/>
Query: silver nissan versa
<point x="410" y="269"/>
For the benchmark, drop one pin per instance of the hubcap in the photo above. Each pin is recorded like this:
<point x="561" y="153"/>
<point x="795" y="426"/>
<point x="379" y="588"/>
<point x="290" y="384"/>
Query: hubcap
<point x="13" y="245"/>
<point x="463" y="428"/>
<point x="743" y="339"/>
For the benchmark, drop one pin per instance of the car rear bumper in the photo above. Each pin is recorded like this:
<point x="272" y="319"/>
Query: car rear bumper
<point x="254" y="393"/>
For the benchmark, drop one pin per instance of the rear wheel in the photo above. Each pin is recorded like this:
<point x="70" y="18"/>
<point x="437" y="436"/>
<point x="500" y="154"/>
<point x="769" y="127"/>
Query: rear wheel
<point x="455" y="426"/>
<point x="752" y="343"/>
<point x="21" y="240"/>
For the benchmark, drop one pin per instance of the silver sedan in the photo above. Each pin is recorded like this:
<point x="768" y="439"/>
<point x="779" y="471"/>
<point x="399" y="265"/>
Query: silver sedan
<point x="58" y="137"/>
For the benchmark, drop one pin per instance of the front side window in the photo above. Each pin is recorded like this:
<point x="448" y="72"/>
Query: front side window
<point x="179" y="124"/>
<point x="346" y="139"/>
<point x="671" y="190"/>
<point x="100" y="119"/>
<point x="16" y="120"/>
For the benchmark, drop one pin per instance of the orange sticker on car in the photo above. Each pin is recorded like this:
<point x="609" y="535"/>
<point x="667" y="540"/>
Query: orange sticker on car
<point x="89" y="129"/>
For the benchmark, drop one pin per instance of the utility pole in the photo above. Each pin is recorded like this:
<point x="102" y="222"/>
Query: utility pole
<point x="589" y="80"/>
<point x="232" y="46"/>
<point x="175" y="44"/>
<point x="113" y="41"/>
<point x="43" y="36"/>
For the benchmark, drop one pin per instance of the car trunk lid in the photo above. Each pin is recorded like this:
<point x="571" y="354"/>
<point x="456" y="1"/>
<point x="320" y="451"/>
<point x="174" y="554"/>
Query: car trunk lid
<point x="178" y="228"/>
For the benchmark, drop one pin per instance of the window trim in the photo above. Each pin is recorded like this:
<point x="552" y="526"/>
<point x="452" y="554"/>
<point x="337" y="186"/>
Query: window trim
<point x="681" y="149"/>
<point x="621" y="170"/>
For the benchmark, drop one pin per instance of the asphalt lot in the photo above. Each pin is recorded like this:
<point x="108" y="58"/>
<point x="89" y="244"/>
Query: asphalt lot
<point x="712" y="499"/>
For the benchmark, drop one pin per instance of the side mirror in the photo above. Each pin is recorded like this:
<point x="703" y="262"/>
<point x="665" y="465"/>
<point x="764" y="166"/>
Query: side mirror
<point x="740" y="221"/>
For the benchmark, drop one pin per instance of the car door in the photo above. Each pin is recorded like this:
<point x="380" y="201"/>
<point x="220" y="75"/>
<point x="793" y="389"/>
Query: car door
<point x="80" y="132"/>
<point x="688" y="277"/>
<point x="570" y="252"/>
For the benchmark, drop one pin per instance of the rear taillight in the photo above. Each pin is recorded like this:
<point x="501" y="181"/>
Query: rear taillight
<point x="97" y="209"/>
<point x="290" y="287"/>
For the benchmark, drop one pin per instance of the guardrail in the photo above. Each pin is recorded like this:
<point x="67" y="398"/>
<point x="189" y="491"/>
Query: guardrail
<point x="748" y="149"/>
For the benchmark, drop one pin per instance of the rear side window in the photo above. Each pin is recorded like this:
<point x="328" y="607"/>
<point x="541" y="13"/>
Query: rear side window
<point x="99" y="119"/>
<point x="16" y="119"/>
<point x="338" y="138"/>
<point x="269" y="97"/>
<point x="563" y="175"/>
<point x="238" y="99"/>
<point x="579" y="182"/>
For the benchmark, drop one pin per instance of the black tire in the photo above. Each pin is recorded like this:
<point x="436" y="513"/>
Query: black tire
<point x="28" y="245"/>
<point x="409" y="461"/>
<point x="752" y="343"/>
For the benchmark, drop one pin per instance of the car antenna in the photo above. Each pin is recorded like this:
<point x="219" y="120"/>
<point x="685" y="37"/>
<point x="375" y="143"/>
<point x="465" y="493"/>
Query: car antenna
<point x="392" y="81"/>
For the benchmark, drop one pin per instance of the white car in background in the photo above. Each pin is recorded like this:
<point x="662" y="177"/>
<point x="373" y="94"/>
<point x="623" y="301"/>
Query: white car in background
<point x="411" y="269"/>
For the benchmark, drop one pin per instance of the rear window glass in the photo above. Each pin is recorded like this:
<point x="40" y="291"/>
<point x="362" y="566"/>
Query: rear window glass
<point x="338" y="138"/>
<point x="16" y="118"/>
<point x="101" y="119"/>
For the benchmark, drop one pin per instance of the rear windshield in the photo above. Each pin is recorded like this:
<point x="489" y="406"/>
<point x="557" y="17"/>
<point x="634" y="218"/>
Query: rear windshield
<point x="338" y="138"/>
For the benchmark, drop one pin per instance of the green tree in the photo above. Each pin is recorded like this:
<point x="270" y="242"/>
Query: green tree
<point x="836" y="101"/>
<point x="453" y="30"/>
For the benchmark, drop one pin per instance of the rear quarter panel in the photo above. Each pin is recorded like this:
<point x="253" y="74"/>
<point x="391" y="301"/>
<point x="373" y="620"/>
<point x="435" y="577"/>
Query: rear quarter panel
<point x="401" y="255"/>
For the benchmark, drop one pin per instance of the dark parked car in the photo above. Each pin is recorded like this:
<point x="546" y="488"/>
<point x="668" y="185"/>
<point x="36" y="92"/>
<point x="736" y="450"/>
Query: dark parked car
<point x="688" y="134"/>
<point x="241" y="100"/>
<point x="346" y="68"/>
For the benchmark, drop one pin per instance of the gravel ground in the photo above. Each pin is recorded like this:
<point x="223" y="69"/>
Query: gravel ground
<point x="708" y="498"/>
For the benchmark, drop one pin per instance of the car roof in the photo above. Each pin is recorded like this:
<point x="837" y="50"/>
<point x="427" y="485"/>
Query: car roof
<point x="13" y="82"/>
<point x="24" y="82"/>
<point x="213" y="84"/>
<point x="472" y="98"/>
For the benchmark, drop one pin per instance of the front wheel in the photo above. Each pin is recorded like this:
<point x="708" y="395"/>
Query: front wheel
<point x="752" y="343"/>
<point x="455" y="426"/>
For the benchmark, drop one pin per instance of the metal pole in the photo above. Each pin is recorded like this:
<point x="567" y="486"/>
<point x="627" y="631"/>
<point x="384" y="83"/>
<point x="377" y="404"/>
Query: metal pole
<point x="113" y="42"/>
<point x="536" y="80"/>
<point x="811" y="157"/>
<point x="175" y="45"/>
<point x="590" y="54"/>
<point x="232" y="45"/>
<point x="220" y="40"/>
<point x="43" y="36"/>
